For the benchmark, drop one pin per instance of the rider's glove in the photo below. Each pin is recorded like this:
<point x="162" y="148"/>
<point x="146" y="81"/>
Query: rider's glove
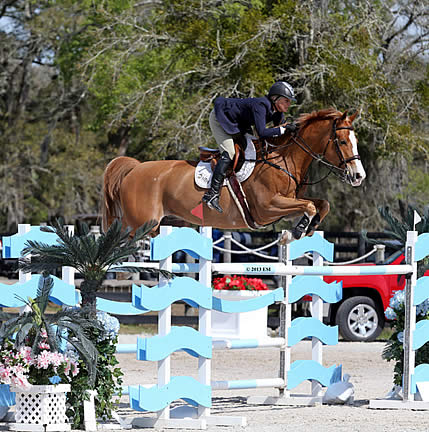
<point x="291" y="127"/>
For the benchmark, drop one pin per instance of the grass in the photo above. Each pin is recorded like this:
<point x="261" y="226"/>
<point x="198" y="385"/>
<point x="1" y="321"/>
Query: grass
<point x="138" y="329"/>
<point x="385" y="334"/>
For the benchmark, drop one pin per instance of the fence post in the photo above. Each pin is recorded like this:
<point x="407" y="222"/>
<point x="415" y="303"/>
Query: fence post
<point x="227" y="245"/>
<point x="24" y="277"/>
<point x="380" y="253"/>
<point x="410" y="316"/>
<point x="164" y="326"/>
<point x="317" y="312"/>
<point x="285" y="321"/>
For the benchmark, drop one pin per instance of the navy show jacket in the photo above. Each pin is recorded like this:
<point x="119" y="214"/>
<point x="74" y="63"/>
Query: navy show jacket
<point x="238" y="115"/>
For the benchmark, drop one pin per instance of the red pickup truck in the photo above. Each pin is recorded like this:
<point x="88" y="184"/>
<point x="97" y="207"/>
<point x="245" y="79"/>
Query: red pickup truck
<point x="360" y="313"/>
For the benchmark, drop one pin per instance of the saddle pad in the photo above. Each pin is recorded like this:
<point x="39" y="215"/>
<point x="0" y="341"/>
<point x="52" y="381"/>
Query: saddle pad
<point x="203" y="171"/>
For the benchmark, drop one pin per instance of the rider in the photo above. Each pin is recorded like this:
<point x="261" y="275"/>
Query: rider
<point x="232" y="118"/>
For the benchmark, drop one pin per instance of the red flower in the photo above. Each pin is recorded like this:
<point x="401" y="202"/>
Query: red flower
<point x="239" y="283"/>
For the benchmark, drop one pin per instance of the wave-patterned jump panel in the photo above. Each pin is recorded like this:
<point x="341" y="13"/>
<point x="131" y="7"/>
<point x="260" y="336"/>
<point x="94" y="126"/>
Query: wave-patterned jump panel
<point x="180" y="288"/>
<point x="316" y="243"/>
<point x="62" y="293"/>
<point x="302" y="370"/>
<point x="13" y="245"/>
<point x="421" y="374"/>
<point x="303" y="327"/>
<point x="421" y="334"/>
<point x="304" y="285"/>
<point x="180" y="338"/>
<point x="422" y="246"/>
<point x="118" y="307"/>
<point x="185" y="239"/>
<point x="421" y="291"/>
<point x="252" y="304"/>
<point x="157" y="398"/>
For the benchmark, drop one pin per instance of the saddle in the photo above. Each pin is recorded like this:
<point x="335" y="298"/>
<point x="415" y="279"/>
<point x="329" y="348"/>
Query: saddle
<point x="241" y="169"/>
<point x="209" y="155"/>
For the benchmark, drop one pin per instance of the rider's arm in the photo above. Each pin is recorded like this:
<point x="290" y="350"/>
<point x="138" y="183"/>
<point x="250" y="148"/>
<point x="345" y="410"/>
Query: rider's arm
<point x="260" y="115"/>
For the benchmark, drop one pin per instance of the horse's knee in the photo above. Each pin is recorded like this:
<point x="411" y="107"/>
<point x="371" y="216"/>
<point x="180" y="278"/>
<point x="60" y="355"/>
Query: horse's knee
<point x="311" y="210"/>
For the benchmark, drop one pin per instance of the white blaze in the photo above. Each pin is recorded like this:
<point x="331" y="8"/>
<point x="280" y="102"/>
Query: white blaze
<point x="357" y="168"/>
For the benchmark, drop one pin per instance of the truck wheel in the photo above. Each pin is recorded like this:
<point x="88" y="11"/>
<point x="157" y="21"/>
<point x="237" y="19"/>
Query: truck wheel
<point x="359" y="319"/>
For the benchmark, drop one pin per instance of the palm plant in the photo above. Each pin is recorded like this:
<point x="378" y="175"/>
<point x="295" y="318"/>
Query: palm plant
<point x="92" y="256"/>
<point x="35" y="326"/>
<point x="397" y="228"/>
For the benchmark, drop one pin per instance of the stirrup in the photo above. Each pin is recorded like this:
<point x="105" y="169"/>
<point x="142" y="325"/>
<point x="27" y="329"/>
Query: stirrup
<point x="212" y="201"/>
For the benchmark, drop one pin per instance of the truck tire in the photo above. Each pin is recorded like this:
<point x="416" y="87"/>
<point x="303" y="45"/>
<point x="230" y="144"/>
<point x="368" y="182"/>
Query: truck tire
<point x="359" y="319"/>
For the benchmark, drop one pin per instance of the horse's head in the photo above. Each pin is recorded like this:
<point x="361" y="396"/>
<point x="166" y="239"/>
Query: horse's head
<point x="343" y="149"/>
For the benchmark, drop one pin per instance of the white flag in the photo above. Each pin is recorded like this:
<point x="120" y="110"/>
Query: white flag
<point x="417" y="219"/>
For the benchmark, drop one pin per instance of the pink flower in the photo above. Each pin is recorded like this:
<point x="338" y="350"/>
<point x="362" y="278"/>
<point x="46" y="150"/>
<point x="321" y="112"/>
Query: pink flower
<point x="43" y="361"/>
<point x="4" y="375"/>
<point x="44" y="345"/>
<point x="20" y="381"/>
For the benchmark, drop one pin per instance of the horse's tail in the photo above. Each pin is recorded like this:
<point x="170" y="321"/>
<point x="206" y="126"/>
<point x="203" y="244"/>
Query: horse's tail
<point x="114" y="174"/>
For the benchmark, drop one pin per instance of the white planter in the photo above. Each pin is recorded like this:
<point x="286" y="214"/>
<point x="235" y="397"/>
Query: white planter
<point x="239" y="325"/>
<point x="41" y="408"/>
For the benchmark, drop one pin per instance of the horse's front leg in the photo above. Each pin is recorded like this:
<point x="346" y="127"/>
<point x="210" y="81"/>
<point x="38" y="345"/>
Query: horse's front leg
<point x="284" y="206"/>
<point x="322" y="207"/>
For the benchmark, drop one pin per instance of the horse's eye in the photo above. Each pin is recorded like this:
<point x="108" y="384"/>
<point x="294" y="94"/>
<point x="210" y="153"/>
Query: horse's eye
<point x="343" y="142"/>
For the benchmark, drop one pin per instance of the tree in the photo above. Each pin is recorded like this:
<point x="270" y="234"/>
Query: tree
<point x="139" y="78"/>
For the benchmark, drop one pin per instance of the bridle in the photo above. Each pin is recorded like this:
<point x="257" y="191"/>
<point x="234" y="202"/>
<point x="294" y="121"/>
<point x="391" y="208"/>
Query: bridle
<point x="341" y="173"/>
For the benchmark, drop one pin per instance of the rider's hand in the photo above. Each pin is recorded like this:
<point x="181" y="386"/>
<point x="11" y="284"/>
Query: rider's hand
<point x="291" y="127"/>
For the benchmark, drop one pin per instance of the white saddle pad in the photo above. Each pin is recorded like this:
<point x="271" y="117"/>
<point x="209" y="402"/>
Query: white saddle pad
<point x="203" y="171"/>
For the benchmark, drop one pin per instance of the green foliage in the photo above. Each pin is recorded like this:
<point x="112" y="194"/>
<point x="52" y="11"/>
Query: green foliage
<point x="394" y="349"/>
<point x="108" y="383"/>
<point x="139" y="78"/>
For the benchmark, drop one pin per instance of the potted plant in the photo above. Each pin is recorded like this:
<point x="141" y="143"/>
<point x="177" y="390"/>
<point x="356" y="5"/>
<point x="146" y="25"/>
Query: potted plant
<point x="239" y="325"/>
<point x="32" y="364"/>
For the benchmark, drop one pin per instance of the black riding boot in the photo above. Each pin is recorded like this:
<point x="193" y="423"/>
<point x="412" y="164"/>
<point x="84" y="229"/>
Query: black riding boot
<point x="211" y="197"/>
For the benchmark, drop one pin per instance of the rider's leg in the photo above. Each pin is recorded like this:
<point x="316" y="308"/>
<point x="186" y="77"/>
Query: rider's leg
<point x="226" y="145"/>
<point x="211" y="197"/>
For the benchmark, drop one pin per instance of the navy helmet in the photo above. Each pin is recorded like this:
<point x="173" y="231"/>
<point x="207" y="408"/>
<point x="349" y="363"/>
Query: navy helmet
<point x="282" y="88"/>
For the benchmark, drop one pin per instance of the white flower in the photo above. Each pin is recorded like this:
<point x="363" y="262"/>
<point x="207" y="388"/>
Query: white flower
<point x="390" y="313"/>
<point x="423" y="308"/>
<point x="397" y="300"/>
<point x="111" y="325"/>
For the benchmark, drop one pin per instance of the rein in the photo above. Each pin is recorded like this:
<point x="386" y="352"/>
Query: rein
<point x="320" y="158"/>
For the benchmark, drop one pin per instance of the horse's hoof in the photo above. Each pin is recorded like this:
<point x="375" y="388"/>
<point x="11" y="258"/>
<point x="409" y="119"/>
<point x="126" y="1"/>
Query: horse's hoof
<point x="286" y="238"/>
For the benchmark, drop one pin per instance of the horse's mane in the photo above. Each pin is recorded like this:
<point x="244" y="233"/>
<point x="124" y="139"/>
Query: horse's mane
<point x="325" y="114"/>
<point x="306" y="119"/>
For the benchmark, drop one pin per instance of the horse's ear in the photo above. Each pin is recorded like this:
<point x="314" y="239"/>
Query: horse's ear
<point x="353" y="116"/>
<point x="343" y="117"/>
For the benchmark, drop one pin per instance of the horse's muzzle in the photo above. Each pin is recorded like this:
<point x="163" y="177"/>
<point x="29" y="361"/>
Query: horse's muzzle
<point x="354" y="175"/>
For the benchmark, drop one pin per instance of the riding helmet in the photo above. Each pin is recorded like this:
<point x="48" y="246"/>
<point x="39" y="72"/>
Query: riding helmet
<point x="282" y="88"/>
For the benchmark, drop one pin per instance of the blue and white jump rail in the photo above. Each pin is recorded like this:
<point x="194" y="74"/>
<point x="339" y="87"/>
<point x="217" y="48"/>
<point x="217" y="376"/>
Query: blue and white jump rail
<point x="307" y="280"/>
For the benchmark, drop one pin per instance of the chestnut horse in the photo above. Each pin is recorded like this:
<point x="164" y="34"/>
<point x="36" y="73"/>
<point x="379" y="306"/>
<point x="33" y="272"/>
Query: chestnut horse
<point x="138" y="192"/>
